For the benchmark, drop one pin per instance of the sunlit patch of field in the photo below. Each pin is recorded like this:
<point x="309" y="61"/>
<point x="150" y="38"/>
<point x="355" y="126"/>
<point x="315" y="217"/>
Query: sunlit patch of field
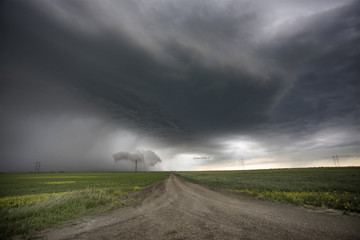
<point x="31" y="203"/>
<point x="337" y="188"/>
<point x="59" y="182"/>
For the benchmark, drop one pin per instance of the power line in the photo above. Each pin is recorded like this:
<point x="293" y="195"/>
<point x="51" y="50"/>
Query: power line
<point x="336" y="160"/>
<point x="242" y="162"/>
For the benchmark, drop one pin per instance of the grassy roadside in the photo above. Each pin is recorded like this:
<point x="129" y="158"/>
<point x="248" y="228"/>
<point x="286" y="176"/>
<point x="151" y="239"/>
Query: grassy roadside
<point x="31" y="202"/>
<point x="337" y="188"/>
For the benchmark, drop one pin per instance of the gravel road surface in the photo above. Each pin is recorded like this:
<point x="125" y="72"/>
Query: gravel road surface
<point x="177" y="209"/>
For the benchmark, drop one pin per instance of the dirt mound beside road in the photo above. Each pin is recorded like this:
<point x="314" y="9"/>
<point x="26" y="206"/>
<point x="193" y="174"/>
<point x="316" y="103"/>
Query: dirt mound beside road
<point x="177" y="209"/>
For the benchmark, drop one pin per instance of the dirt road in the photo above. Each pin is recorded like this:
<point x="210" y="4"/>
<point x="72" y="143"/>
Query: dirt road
<point x="177" y="209"/>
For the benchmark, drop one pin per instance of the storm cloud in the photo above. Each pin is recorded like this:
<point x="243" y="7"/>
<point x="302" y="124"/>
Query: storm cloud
<point x="275" y="83"/>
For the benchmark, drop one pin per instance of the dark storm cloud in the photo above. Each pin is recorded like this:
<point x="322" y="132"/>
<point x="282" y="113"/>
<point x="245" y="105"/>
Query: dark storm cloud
<point x="187" y="96"/>
<point x="188" y="72"/>
<point x="326" y="52"/>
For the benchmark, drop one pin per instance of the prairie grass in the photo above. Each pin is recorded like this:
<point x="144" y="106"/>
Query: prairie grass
<point x="28" y="203"/>
<point x="337" y="188"/>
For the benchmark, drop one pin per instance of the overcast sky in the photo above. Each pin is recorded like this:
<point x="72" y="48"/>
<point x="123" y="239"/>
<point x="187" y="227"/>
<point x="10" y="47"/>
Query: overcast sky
<point x="205" y="85"/>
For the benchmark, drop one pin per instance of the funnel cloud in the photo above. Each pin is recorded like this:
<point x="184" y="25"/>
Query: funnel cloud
<point x="147" y="156"/>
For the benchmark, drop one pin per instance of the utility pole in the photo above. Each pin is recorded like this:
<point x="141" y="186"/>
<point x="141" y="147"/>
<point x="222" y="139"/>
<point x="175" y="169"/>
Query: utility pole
<point x="135" y="165"/>
<point x="37" y="167"/>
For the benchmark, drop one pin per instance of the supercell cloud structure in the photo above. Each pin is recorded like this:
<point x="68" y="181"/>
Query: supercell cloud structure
<point x="275" y="83"/>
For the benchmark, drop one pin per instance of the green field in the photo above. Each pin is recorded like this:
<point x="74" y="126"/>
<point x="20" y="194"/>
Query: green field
<point x="31" y="202"/>
<point x="337" y="188"/>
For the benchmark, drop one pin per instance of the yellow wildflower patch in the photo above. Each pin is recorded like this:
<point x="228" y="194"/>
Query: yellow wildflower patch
<point x="337" y="200"/>
<point x="26" y="200"/>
